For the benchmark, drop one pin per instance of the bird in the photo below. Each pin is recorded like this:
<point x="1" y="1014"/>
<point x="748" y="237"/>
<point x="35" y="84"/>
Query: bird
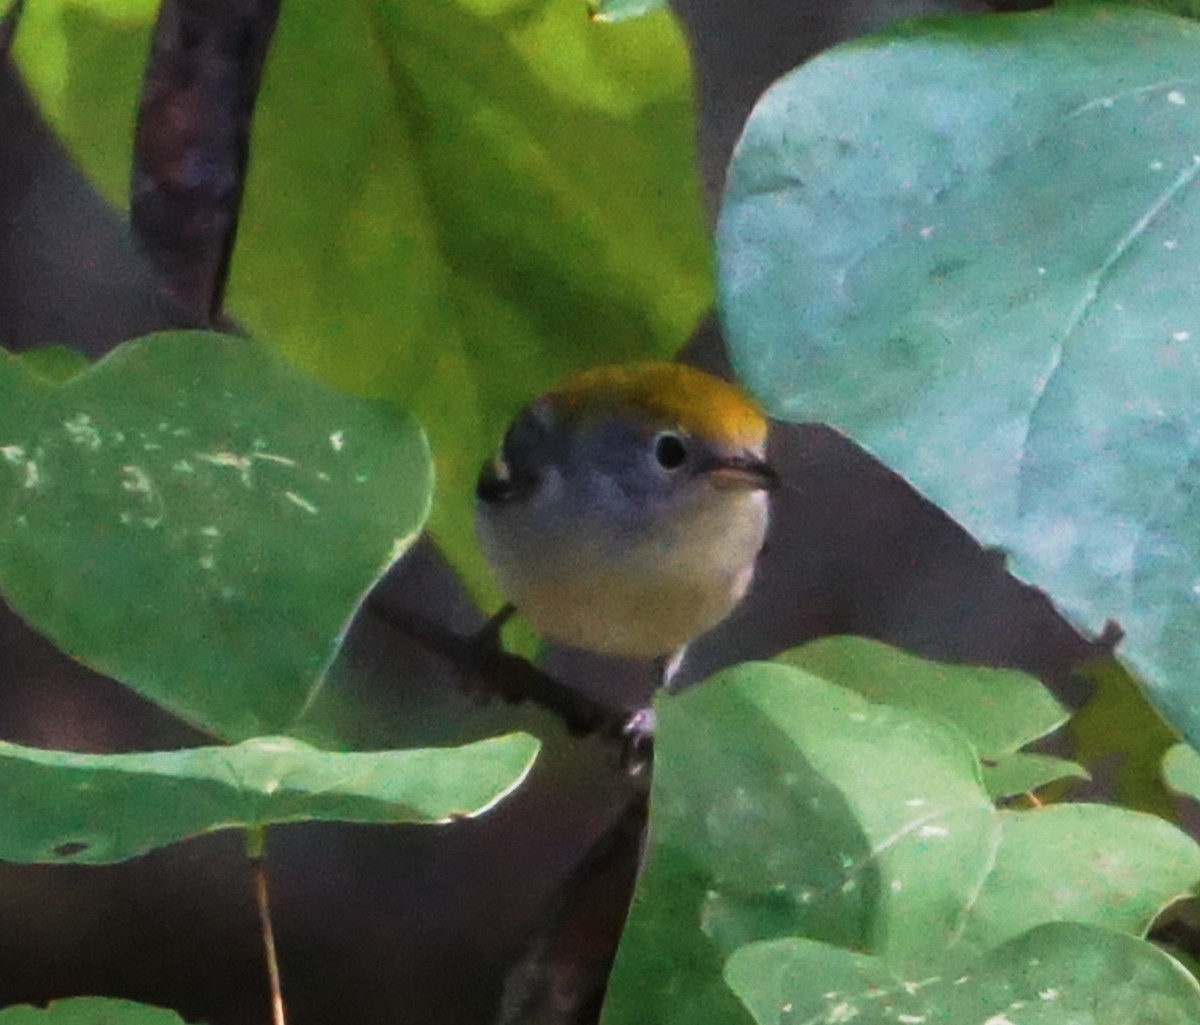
<point x="626" y="508"/>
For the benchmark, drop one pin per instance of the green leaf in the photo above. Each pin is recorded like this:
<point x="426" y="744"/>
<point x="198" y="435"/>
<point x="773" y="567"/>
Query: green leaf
<point x="500" y="191"/>
<point x="1059" y="974"/>
<point x="198" y="519"/>
<point x="970" y="244"/>
<point x="1023" y="772"/>
<point x="1119" y="734"/>
<point x="783" y="805"/>
<point x="89" y="1011"/>
<point x="1181" y="770"/>
<point x="999" y="710"/>
<point x="60" y="806"/>
<point x="54" y="363"/>
<point x="786" y="806"/>
<point x="1089" y="863"/>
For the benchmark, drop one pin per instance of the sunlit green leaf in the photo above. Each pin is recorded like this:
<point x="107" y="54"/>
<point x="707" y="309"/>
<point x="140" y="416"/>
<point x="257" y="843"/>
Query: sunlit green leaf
<point x="449" y="205"/>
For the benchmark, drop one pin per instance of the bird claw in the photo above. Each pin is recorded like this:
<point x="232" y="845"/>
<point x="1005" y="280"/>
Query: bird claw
<point x="637" y="740"/>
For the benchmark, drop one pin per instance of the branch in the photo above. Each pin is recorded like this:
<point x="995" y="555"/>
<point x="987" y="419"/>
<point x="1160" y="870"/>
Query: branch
<point x="515" y="680"/>
<point x="192" y="143"/>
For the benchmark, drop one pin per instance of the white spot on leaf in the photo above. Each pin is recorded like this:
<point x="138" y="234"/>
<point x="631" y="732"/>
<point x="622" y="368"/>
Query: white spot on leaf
<point x="1176" y="97"/>
<point x="336" y="440"/>
<point x="301" y="501"/>
<point x="82" y="431"/>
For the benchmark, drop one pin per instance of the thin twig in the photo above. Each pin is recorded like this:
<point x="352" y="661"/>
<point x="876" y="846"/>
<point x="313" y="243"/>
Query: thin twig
<point x="516" y="680"/>
<point x="256" y="847"/>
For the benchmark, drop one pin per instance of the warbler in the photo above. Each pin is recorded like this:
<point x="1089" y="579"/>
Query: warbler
<point x="626" y="507"/>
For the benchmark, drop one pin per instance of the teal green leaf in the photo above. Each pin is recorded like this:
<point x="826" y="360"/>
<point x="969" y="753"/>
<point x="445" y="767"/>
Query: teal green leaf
<point x="1024" y="772"/>
<point x="999" y="710"/>
<point x="783" y="805"/>
<point x="89" y="1011"/>
<point x="971" y="244"/>
<point x="1058" y="974"/>
<point x="60" y="806"/>
<point x="449" y="204"/>
<point x="1181" y="770"/>
<point x="199" y="520"/>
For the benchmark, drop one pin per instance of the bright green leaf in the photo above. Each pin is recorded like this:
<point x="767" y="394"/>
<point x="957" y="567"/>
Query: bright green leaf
<point x="449" y="205"/>
<point x="1059" y="974"/>
<point x="198" y="519"/>
<point x="60" y="806"/>
<point x="999" y="710"/>
<point x="971" y="244"/>
<point x="89" y="1011"/>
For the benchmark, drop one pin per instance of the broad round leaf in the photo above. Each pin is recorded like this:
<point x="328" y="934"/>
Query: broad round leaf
<point x="783" y="805"/>
<point x="198" y="519"/>
<point x="971" y="244"/>
<point x="61" y="806"/>
<point x="1061" y="974"/>
<point x="999" y="710"/>
<point x="1089" y="863"/>
<point x="786" y="806"/>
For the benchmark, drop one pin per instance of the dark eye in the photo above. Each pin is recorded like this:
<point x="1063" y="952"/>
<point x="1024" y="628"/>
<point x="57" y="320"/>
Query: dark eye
<point x="670" y="451"/>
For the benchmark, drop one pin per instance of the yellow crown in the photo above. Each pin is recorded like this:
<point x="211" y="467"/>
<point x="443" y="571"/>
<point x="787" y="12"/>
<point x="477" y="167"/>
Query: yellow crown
<point x="677" y="395"/>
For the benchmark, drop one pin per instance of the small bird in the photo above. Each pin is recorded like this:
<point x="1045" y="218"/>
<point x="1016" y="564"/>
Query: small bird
<point x="626" y="508"/>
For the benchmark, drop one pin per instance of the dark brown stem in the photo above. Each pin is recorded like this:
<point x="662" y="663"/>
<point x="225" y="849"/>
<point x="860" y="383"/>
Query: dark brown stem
<point x="256" y="848"/>
<point x="192" y="143"/>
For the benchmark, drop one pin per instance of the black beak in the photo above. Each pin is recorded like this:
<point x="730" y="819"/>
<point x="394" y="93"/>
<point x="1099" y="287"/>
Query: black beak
<point x="496" y="484"/>
<point x="743" y="472"/>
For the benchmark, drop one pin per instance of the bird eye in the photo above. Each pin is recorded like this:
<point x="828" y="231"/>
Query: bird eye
<point x="670" y="451"/>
